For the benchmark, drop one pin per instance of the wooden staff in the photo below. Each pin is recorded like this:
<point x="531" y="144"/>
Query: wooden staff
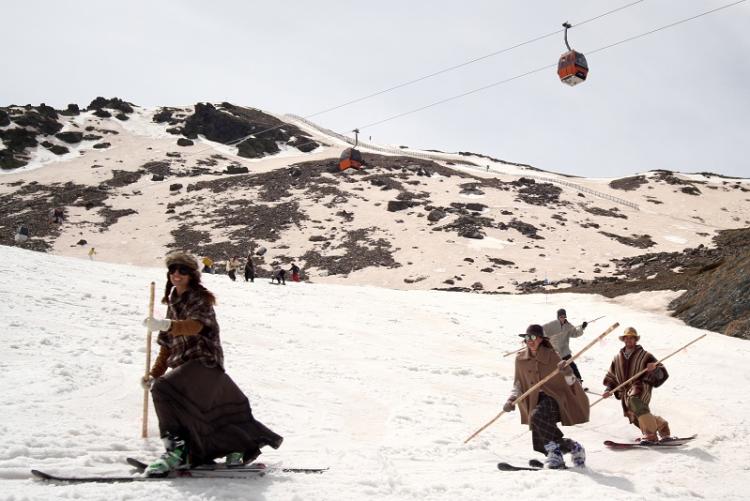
<point x="144" y="429"/>
<point x="644" y="370"/>
<point x="547" y="378"/>
<point x="523" y="348"/>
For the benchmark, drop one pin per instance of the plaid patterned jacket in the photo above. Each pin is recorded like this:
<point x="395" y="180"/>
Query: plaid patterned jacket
<point x="206" y="345"/>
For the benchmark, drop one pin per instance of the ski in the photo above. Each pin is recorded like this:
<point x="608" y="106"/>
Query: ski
<point x="206" y="471"/>
<point x="670" y="442"/>
<point x="534" y="465"/>
<point x="510" y="467"/>
<point x="261" y="468"/>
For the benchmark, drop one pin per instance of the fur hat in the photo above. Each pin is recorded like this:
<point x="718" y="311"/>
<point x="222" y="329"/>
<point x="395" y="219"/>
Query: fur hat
<point x="184" y="258"/>
<point x="534" y="329"/>
<point x="630" y="332"/>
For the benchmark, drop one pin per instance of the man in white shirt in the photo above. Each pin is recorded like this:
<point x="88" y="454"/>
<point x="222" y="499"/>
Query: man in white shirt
<point x="559" y="333"/>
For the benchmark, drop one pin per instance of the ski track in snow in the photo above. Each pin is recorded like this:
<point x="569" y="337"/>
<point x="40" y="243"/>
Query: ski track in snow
<point x="380" y="385"/>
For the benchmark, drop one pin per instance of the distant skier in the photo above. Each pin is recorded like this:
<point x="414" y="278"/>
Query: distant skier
<point x="561" y="399"/>
<point x="92" y="253"/>
<point x="559" y="333"/>
<point x="202" y="413"/>
<point x="294" y="270"/>
<point x="636" y="396"/>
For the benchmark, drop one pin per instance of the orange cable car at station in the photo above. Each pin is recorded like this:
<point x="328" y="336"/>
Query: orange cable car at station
<point x="351" y="158"/>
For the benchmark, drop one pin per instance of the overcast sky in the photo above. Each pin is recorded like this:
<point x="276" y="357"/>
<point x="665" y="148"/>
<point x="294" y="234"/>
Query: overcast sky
<point x="677" y="99"/>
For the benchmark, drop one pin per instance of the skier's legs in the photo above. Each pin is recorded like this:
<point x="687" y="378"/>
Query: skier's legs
<point x="543" y="422"/>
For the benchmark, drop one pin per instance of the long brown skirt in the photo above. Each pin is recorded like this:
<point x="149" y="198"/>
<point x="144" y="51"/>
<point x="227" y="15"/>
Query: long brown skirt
<point x="205" y="407"/>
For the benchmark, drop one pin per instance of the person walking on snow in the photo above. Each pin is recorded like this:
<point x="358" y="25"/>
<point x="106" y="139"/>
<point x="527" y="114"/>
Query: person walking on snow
<point x="561" y="399"/>
<point x="92" y="253"/>
<point x="202" y="413"/>
<point x="559" y="333"/>
<point x="636" y="396"/>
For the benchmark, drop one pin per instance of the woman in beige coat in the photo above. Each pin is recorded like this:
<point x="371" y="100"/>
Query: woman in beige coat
<point x="561" y="399"/>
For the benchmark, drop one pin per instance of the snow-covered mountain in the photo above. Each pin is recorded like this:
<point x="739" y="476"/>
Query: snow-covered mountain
<point x="383" y="386"/>
<point x="135" y="182"/>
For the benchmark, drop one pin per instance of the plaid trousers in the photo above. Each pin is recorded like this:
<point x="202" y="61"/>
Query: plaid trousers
<point x="543" y="423"/>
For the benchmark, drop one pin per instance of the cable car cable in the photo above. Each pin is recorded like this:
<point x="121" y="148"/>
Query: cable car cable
<point x="537" y="70"/>
<point x="436" y="73"/>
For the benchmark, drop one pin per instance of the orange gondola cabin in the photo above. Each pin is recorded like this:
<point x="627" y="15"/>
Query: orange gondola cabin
<point x="572" y="67"/>
<point x="351" y="159"/>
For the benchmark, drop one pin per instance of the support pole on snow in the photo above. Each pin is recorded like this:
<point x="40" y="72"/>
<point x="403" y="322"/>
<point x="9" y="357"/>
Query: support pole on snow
<point x="547" y="378"/>
<point x="644" y="370"/>
<point x="144" y="428"/>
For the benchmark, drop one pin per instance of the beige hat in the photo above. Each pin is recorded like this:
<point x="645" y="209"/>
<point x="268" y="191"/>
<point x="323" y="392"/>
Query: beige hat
<point x="184" y="258"/>
<point x="630" y="332"/>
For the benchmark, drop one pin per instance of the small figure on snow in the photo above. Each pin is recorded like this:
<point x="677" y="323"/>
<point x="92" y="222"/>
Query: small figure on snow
<point x="635" y="396"/>
<point x="249" y="268"/>
<point x="279" y="274"/>
<point x="294" y="270"/>
<point x="202" y="413"/>
<point x="561" y="399"/>
<point x="22" y="233"/>
<point x="92" y="253"/>
<point x="208" y="265"/>
<point x="232" y="267"/>
<point x="559" y="333"/>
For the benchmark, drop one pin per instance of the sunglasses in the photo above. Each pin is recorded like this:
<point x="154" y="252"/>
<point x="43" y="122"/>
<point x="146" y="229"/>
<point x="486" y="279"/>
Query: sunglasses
<point x="179" y="268"/>
<point x="529" y="337"/>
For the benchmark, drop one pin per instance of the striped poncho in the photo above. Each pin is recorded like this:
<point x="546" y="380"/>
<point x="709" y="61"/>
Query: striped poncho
<point x="623" y="368"/>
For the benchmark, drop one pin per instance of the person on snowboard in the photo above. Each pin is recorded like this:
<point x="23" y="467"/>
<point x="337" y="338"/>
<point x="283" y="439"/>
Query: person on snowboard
<point x="559" y="333"/>
<point x="202" y="413"/>
<point x="561" y="399"/>
<point x="636" y="396"/>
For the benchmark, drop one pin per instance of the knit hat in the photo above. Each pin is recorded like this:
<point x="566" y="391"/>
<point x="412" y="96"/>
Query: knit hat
<point x="183" y="258"/>
<point x="535" y="330"/>
<point x="561" y="313"/>
<point x="630" y="332"/>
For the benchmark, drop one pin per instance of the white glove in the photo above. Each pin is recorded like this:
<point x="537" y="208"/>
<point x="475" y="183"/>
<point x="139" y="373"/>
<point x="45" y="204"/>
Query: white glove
<point x="157" y="324"/>
<point x="147" y="382"/>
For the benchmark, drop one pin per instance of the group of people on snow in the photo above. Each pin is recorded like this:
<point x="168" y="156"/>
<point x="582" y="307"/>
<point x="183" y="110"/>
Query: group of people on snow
<point x="203" y="415"/>
<point x="234" y="266"/>
<point x="562" y="398"/>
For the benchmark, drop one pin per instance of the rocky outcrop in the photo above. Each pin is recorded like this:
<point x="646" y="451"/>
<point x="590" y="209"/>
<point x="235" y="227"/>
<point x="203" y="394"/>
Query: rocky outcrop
<point x="233" y="123"/>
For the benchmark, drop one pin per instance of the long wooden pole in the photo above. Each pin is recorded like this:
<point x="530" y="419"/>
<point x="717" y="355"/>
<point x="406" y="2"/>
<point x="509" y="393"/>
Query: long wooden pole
<point x="644" y="370"/>
<point x="144" y="428"/>
<point x="523" y="347"/>
<point x="547" y="378"/>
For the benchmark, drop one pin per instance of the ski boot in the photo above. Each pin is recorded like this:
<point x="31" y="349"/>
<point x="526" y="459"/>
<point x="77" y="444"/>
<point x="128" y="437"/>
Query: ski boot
<point x="174" y="457"/>
<point x="578" y="454"/>
<point x="554" y="459"/>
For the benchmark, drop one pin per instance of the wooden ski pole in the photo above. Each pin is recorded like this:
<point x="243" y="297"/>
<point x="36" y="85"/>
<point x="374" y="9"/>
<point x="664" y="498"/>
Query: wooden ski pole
<point x="523" y="347"/>
<point x="144" y="428"/>
<point x="644" y="370"/>
<point x="547" y="378"/>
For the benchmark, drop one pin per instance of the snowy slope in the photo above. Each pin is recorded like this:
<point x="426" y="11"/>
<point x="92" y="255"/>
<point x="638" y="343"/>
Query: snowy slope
<point x="381" y="385"/>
